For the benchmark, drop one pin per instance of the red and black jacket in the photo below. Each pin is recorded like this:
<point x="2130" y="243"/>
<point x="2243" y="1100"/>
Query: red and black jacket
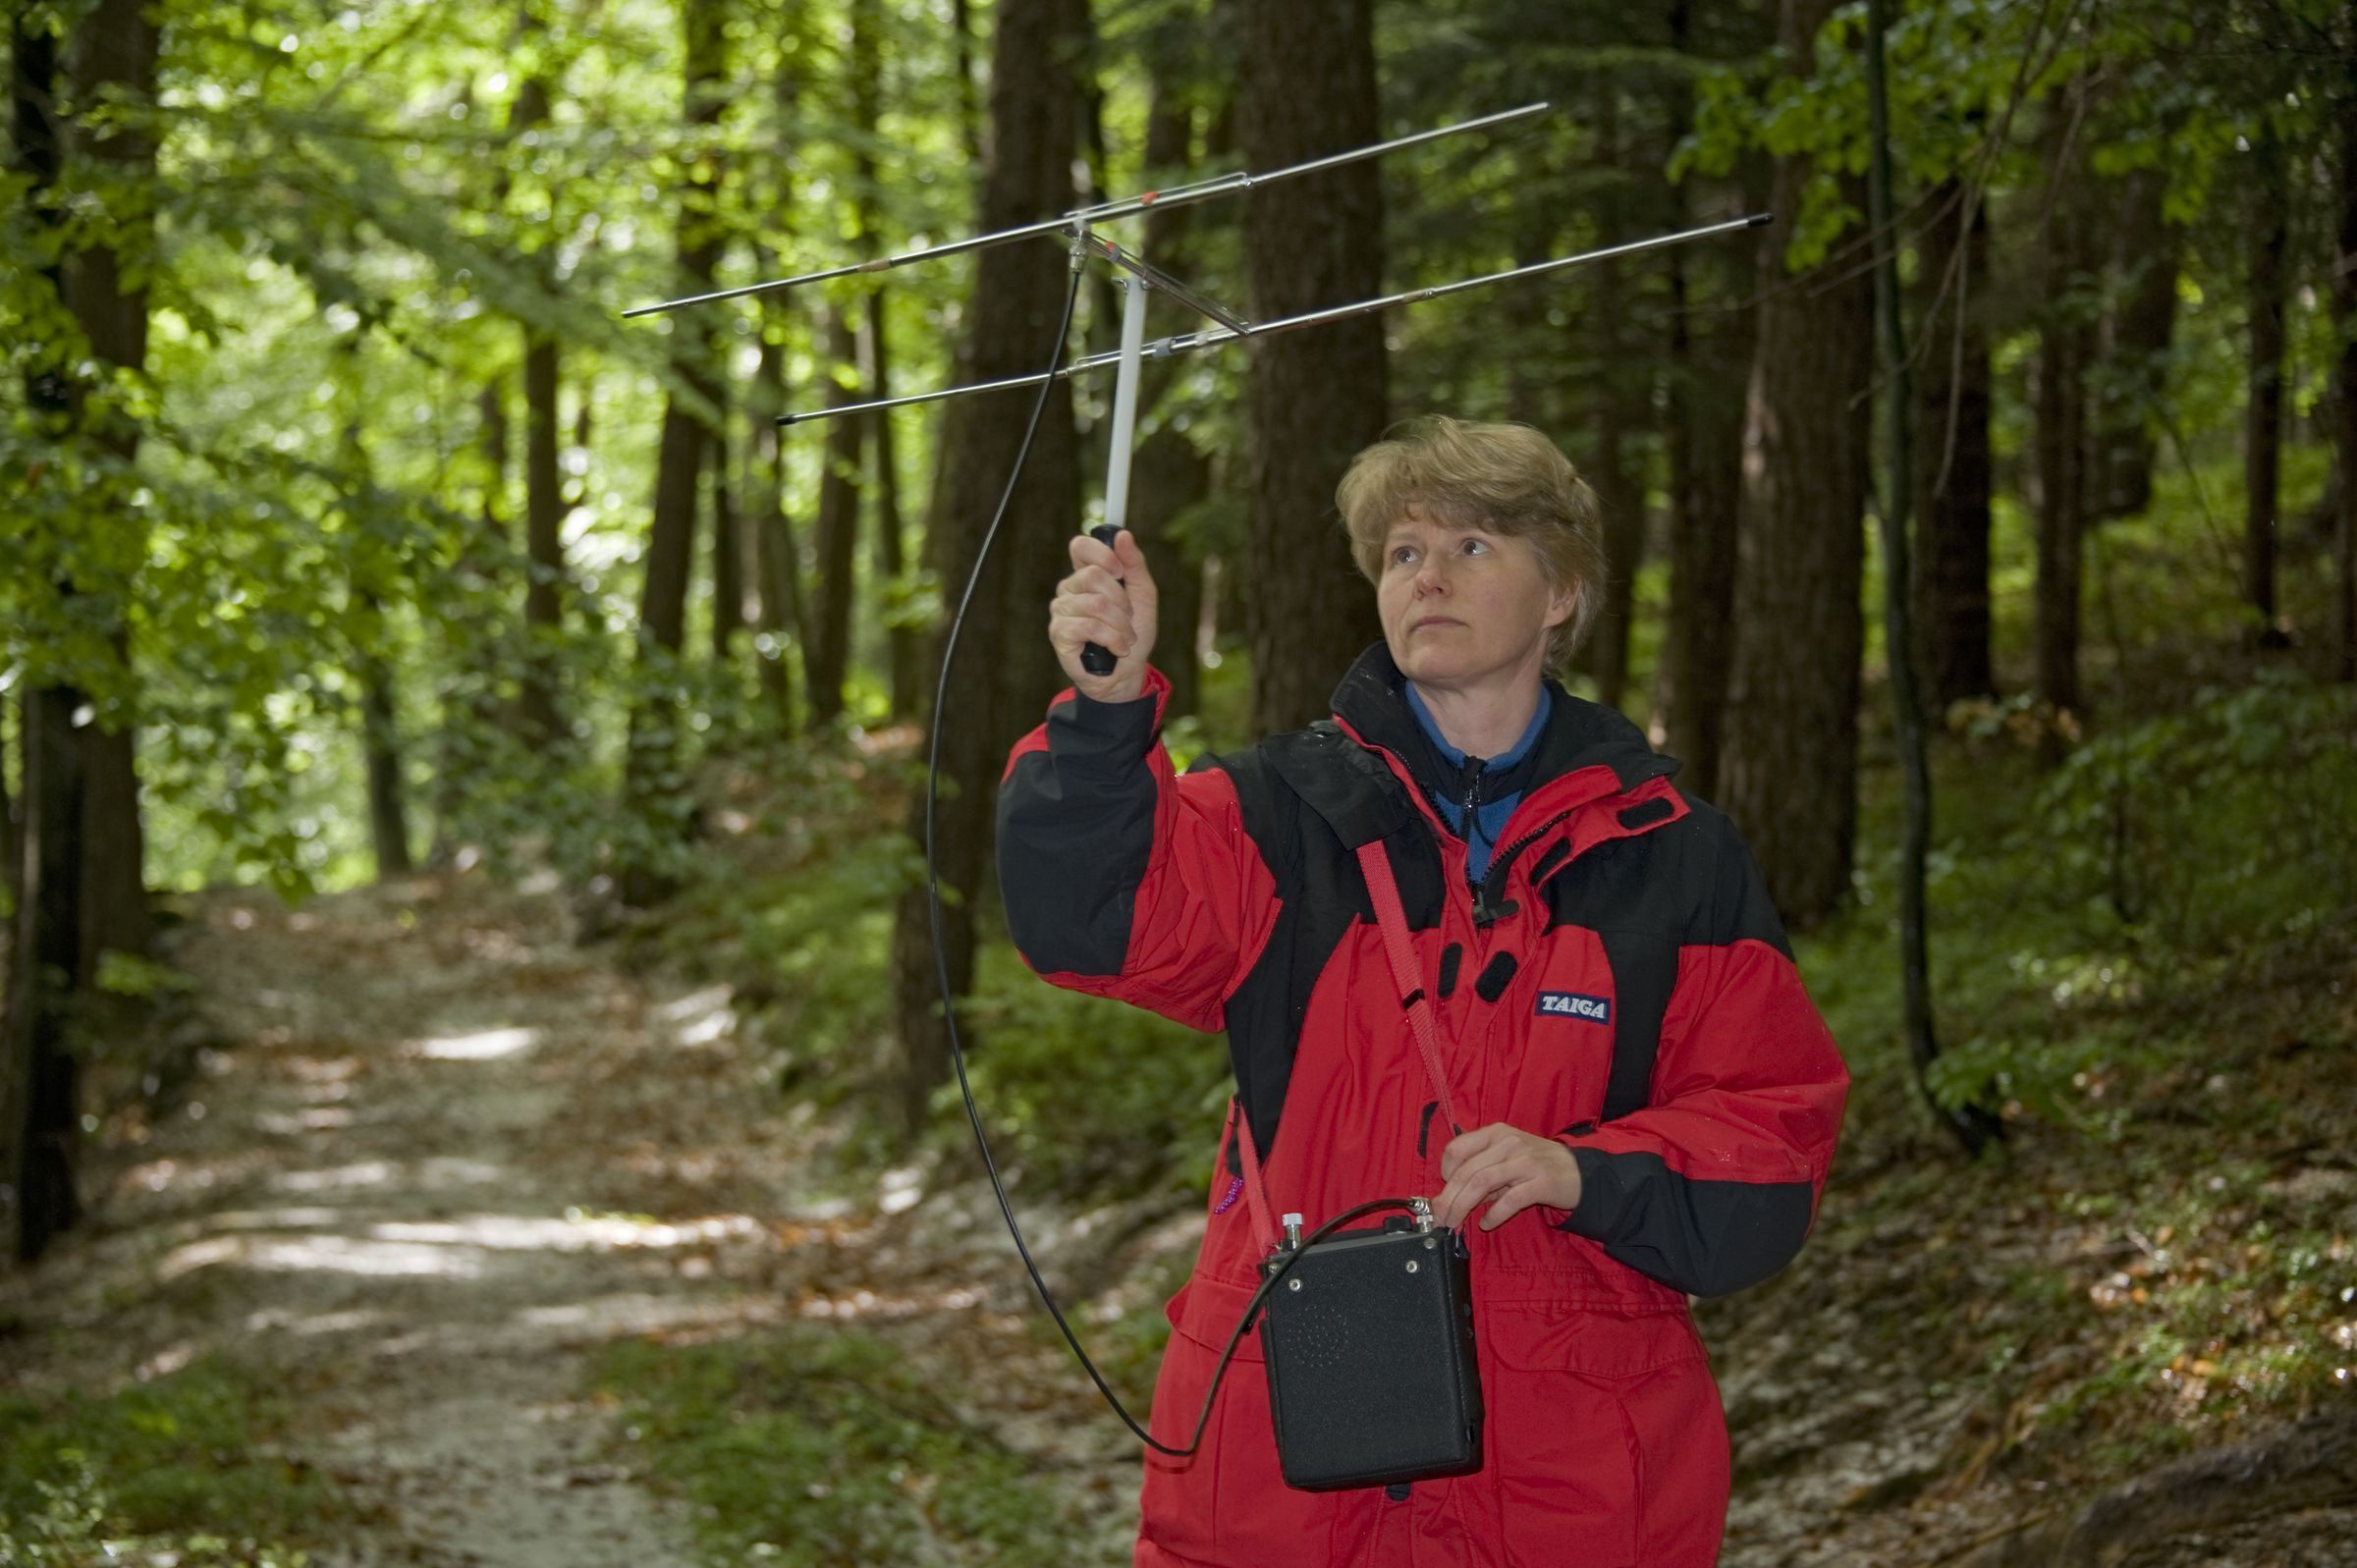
<point x="1222" y="898"/>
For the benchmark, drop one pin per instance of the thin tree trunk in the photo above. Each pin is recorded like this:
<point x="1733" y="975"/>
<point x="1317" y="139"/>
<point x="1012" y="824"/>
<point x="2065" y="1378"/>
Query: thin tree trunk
<point x="380" y="731"/>
<point x="1952" y="465"/>
<point x="543" y="496"/>
<point x="115" y="56"/>
<point x="1619" y="491"/>
<point x="778" y="554"/>
<point x="1974" y="1126"/>
<point x="1788" y="773"/>
<point x="901" y="645"/>
<point x="2132" y="345"/>
<point x="1709" y="353"/>
<point x="875" y="366"/>
<point x="48" y="967"/>
<point x="653" y="777"/>
<point x="728" y="555"/>
<point x="970" y="129"/>
<point x="2263" y="421"/>
<point x="1170" y="473"/>
<point x="388" y="807"/>
<point x="2344" y="398"/>
<point x="2061" y="414"/>
<point x="829" y="652"/>
<point x="39" y="1128"/>
<point x="1003" y="679"/>
<point x="1307" y="88"/>
<point x="545" y="543"/>
<point x="12" y="845"/>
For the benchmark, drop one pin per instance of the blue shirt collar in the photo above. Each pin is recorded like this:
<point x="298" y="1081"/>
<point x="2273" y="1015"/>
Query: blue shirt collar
<point x="1506" y="759"/>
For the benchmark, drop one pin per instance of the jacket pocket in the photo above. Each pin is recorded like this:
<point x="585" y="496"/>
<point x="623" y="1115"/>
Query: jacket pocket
<point x="1570" y="1457"/>
<point x="1228" y="1504"/>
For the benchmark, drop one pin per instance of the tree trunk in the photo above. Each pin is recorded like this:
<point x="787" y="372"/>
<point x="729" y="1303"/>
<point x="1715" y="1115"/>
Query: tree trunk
<point x="654" y="781"/>
<point x="115" y="57"/>
<point x="1619" y="488"/>
<point x="1951" y="458"/>
<point x="48" y="967"/>
<point x="11" y="847"/>
<point x="2134" y="348"/>
<point x="1307" y="88"/>
<point x="829" y="652"/>
<point x="998" y="688"/>
<point x="1711" y="333"/>
<point x="1790" y="768"/>
<point x="471" y="629"/>
<point x="545" y="543"/>
<point x="2262" y="418"/>
<point x="1170" y="473"/>
<point x="388" y="807"/>
<point x="2063" y="445"/>
<point x="970" y="129"/>
<point x="2344" y="395"/>
<point x="380" y="733"/>
<point x="543" y="494"/>
<point x="728" y="554"/>
<point x="39" y="1125"/>
<point x="728" y="559"/>
<point x="901" y="649"/>
<point x="775" y="547"/>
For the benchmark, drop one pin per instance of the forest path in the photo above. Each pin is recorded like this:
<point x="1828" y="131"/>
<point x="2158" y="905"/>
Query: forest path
<point x="441" y="1156"/>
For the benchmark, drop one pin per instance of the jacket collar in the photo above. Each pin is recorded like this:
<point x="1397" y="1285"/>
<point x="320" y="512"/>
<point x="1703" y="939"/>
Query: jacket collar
<point x="1372" y="700"/>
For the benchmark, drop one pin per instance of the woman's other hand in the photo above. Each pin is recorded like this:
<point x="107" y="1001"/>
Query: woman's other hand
<point x="1110" y="599"/>
<point x="1508" y="1170"/>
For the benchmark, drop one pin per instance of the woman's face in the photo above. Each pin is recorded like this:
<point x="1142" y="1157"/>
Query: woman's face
<point x="1464" y="607"/>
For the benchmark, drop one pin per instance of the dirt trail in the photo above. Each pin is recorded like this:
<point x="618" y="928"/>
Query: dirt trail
<point x="445" y="1155"/>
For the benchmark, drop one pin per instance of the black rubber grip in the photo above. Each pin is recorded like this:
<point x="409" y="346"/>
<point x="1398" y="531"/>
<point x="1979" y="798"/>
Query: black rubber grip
<point x="1096" y="658"/>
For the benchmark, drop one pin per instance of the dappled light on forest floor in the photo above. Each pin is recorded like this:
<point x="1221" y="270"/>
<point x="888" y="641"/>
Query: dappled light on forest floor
<point x="484" y="1046"/>
<point x="530" y="1157"/>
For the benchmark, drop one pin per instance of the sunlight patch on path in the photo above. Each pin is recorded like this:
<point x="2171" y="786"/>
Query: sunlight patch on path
<point x="488" y="1046"/>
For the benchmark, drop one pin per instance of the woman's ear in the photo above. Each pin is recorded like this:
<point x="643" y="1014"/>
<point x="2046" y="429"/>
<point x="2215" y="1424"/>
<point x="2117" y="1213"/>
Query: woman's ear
<point x="1566" y="601"/>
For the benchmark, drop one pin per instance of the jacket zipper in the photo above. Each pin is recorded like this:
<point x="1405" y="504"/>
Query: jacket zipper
<point x="1486" y="912"/>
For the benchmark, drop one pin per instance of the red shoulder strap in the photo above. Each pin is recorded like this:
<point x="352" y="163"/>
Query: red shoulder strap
<point x="1240" y="1132"/>
<point x="1375" y="866"/>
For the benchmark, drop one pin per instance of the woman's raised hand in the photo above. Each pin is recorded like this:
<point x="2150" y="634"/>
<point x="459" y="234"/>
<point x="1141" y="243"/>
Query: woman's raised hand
<point x="1110" y="599"/>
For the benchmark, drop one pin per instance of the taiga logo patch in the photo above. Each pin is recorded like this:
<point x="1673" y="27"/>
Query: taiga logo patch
<point x="1571" y="1004"/>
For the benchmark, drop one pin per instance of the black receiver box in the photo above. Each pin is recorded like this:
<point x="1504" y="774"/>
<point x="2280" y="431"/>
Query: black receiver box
<point x="1372" y="1373"/>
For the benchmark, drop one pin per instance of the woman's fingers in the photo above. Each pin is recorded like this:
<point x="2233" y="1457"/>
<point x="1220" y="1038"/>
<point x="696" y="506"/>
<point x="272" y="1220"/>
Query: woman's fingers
<point x="1511" y="1200"/>
<point x="1144" y="596"/>
<point x="1479" y="1145"/>
<point x="1109" y="600"/>
<point x="1508" y="1170"/>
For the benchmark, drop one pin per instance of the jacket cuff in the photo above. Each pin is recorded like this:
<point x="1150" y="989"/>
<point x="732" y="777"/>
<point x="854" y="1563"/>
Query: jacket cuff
<point x="1121" y="733"/>
<point x="1604" y="1198"/>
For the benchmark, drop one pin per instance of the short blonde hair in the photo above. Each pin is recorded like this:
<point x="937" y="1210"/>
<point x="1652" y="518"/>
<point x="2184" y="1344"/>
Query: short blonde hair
<point x="1506" y="478"/>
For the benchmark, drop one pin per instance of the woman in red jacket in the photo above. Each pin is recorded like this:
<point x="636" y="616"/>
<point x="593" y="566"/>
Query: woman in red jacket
<point x="1650" y="1100"/>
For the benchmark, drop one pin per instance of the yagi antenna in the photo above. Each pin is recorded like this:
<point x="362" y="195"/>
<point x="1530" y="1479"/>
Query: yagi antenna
<point x="1138" y="275"/>
<point x="1128" y="207"/>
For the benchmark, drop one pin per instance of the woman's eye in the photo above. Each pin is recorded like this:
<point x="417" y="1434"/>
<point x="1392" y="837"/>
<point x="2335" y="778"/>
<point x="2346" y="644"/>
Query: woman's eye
<point x="1401" y="555"/>
<point x="1477" y="545"/>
